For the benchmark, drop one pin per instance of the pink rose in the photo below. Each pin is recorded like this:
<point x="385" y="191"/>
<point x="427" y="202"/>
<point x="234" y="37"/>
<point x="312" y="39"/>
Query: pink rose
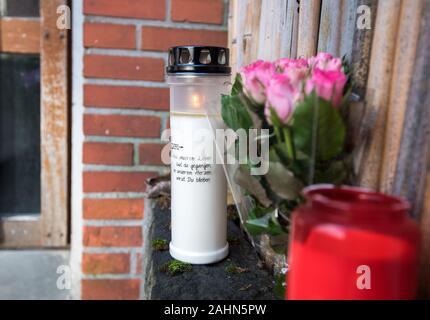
<point x="295" y="69"/>
<point x="325" y="61"/>
<point x="256" y="77"/>
<point x="292" y="63"/>
<point x="328" y="85"/>
<point x="282" y="96"/>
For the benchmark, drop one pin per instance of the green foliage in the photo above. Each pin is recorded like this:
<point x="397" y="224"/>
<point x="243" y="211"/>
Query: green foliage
<point x="280" y="286"/>
<point x="265" y="224"/>
<point x="237" y="88"/>
<point x="283" y="182"/>
<point x="308" y="149"/>
<point x="234" y="113"/>
<point x="319" y="130"/>
<point x="160" y="244"/>
<point x="175" y="267"/>
<point x="252" y="185"/>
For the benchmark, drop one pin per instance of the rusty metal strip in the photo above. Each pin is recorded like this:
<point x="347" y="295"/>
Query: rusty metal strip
<point x="54" y="127"/>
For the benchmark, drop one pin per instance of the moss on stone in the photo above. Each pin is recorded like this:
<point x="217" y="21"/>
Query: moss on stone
<point x="160" y="244"/>
<point x="234" y="269"/>
<point x="233" y="240"/>
<point x="175" y="267"/>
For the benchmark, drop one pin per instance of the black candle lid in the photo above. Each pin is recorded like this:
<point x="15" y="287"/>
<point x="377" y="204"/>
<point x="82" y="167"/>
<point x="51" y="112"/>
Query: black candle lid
<point x="198" y="59"/>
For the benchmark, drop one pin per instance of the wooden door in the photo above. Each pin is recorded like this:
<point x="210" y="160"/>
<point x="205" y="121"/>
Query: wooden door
<point x="34" y="125"/>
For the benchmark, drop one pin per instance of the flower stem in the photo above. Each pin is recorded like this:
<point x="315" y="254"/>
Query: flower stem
<point x="289" y="143"/>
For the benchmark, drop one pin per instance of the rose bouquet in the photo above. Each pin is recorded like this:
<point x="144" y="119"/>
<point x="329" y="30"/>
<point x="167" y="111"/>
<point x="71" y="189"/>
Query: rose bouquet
<point x="301" y="102"/>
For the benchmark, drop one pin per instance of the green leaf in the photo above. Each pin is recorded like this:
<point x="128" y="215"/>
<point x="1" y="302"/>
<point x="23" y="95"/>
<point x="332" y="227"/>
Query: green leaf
<point x="283" y="182"/>
<point x="280" y="284"/>
<point x="334" y="173"/>
<point x="252" y="185"/>
<point x="267" y="224"/>
<point x="258" y="212"/>
<point x="234" y="113"/>
<point x="237" y="85"/>
<point x="318" y="128"/>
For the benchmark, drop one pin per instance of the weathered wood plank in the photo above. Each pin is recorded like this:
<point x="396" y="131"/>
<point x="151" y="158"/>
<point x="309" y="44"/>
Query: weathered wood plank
<point x="278" y="29"/>
<point x="368" y="154"/>
<point x="407" y="41"/>
<point x="337" y="27"/>
<point x="360" y="60"/>
<point x="330" y="26"/>
<point x="309" y="20"/>
<point x="238" y="34"/>
<point x="414" y="149"/>
<point x="362" y="44"/>
<point x="20" y="35"/>
<point x="20" y="233"/>
<point x="293" y="20"/>
<point x="252" y="31"/>
<point x="232" y="31"/>
<point x="54" y="127"/>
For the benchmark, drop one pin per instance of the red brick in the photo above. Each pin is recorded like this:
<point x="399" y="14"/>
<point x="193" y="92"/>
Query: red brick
<point x="103" y="35"/>
<point x="160" y="39"/>
<point x="108" y="153"/>
<point x="113" y="208"/>
<point x="124" y="68"/>
<point x="112" y="236"/>
<point x="204" y="11"/>
<point x="99" y="263"/>
<point x="143" y="9"/>
<point x="126" y="97"/>
<point x="103" y="181"/>
<point x="150" y="153"/>
<point x="122" y="126"/>
<point x="110" y="289"/>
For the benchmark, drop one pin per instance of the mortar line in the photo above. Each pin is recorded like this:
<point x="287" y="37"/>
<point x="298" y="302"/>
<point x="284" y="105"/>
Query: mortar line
<point x="136" y="168"/>
<point x="139" y="23"/>
<point x="121" y="139"/>
<point x="125" y="111"/>
<point x="127" y="83"/>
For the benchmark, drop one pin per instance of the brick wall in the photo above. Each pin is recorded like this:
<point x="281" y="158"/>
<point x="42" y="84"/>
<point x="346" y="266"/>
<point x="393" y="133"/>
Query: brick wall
<point x="126" y="109"/>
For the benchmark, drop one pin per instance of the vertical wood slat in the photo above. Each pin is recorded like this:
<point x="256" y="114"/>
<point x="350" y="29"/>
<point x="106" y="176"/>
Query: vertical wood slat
<point x="309" y="20"/>
<point x="368" y="154"/>
<point x="278" y="29"/>
<point x="252" y="31"/>
<point x="409" y="29"/>
<point x="337" y="27"/>
<point x="362" y="44"/>
<point x="232" y="44"/>
<point x="54" y="127"/>
<point x="360" y="60"/>
<point x="415" y="143"/>
<point x="238" y="26"/>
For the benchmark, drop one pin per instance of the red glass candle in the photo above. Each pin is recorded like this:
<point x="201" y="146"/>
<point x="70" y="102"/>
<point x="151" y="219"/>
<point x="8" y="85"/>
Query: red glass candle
<point x="351" y="243"/>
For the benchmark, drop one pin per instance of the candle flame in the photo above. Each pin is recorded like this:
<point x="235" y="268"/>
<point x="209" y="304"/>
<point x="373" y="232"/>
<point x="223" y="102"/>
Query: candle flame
<point x="196" y="101"/>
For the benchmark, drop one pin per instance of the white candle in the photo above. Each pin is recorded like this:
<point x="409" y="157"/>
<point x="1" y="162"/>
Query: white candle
<point x="199" y="187"/>
<point x="199" y="190"/>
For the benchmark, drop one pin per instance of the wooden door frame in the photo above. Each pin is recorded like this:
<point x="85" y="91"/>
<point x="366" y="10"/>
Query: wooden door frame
<point x="41" y="35"/>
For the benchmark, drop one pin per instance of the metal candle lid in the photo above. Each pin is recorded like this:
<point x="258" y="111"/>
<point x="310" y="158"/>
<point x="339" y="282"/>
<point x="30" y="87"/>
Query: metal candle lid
<point x="198" y="59"/>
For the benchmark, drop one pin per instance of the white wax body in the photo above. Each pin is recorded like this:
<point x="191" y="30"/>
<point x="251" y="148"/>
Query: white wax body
<point x="199" y="199"/>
